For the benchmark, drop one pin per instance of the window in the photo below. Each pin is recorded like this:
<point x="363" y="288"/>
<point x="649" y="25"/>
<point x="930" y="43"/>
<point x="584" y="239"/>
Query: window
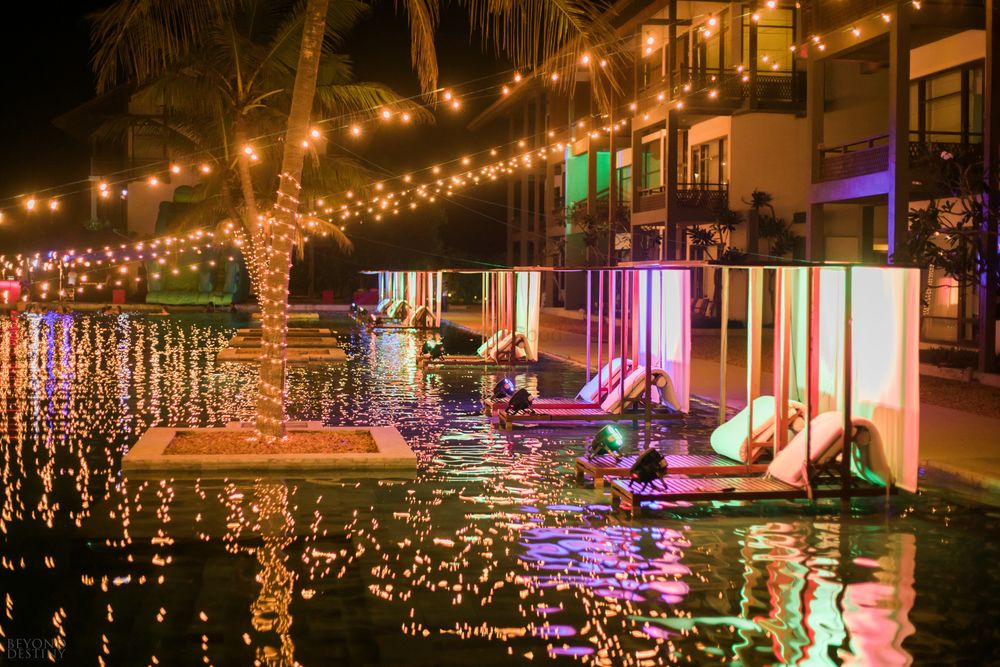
<point x="652" y="68"/>
<point x="624" y="185"/>
<point x="947" y="107"/>
<point x="775" y="37"/>
<point x="651" y="158"/>
<point x="709" y="163"/>
<point x="682" y="155"/>
<point x="710" y="42"/>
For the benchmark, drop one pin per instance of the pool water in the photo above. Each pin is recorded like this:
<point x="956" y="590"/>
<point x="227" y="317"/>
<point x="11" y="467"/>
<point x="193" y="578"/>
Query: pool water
<point x="492" y="555"/>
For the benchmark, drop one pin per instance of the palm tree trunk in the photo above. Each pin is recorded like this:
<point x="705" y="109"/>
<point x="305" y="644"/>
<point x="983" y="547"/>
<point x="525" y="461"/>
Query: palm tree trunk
<point x="274" y="295"/>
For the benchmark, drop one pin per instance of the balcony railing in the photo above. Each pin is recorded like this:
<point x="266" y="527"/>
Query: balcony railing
<point x="651" y="199"/>
<point x="727" y="85"/>
<point x="709" y="197"/>
<point x="864" y="156"/>
<point x="706" y="197"/>
<point x="871" y="155"/>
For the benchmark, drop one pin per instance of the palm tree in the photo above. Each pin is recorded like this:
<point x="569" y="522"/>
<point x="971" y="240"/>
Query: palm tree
<point x="232" y="91"/>
<point x="140" y="39"/>
<point x="241" y="96"/>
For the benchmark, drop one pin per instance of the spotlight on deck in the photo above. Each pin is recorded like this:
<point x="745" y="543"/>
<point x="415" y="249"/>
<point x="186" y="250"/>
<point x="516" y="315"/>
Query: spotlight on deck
<point x="649" y="466"/>
<point x="354" y="309"/>
<point x="608" y="440"/>
<point x="433" y="349"/>
<point x="374" y="320"/>
<point x="520" y="401"/>
<point x="503" y="389"/>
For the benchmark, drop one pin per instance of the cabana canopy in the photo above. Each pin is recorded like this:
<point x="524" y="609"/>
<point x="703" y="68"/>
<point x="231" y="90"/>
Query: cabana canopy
<point x="414" y="288"/>
<point x="512" y="303"/>
<point x="643" y="315"/>
<point x="846" y="339"/>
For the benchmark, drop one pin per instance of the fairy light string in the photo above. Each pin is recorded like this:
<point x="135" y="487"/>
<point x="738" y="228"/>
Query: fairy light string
<point x="376" y="201"/>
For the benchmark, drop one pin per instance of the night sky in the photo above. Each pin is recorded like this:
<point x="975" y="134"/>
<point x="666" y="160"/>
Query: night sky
<point x="47" y="73"/>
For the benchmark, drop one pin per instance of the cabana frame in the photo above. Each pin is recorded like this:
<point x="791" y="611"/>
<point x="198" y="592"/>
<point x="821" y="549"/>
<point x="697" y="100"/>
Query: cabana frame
<point x="880" y="392"/>
<point x="646" y="315"/>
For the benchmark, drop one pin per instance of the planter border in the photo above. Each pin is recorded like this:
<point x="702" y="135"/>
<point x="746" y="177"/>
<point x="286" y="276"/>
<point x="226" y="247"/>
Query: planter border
<point x="147" y="455"/>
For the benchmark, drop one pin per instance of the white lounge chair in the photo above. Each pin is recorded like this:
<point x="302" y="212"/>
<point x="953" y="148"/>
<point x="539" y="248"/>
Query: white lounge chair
<point x="735" y="440"/>
<point x="785" y="477"/>
<point x="623" y="403"/>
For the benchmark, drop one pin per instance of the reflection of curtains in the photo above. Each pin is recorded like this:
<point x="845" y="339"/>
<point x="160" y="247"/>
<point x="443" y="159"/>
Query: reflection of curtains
<point x="877" y="613"/>
<point x="528" y="304"/>
<point x="670" y="330"/>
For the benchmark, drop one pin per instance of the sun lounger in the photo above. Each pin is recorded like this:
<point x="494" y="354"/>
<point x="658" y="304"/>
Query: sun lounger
<point x="586" y="397"/>
<point x="607" y="466"/>
<point x="785" y="477"/>
<point x="501" y="348"/>
<point x="734" y="439"/>
<point x="419" y="318"/>
<point x="618" y="405"/>
<point x="729" y="441"/>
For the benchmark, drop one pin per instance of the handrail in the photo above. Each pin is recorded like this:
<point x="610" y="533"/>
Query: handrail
<point x="866" y="143"/>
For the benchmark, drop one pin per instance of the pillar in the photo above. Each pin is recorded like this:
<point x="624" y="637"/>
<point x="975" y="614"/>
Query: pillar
<point x="898" y="174"/>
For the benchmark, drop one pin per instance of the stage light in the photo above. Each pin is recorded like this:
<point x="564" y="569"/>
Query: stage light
<point x="609" y="440"/>
<point x="503" y="389"/>
<point x="649" y="466"/>
<point x="433" y="348"/>
<point x="519" y="402"/>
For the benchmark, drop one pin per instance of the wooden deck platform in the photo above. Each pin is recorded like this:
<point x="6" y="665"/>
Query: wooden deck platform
<point x="296" y="355"/>
<point x="492" y="407"/>
<point x="465" y="360"/>
<point x="569" y="415"/>
<point x="290" y="342"/>
<point x="292" y="331"/>
<point x="606" y="465"/>
<point x="676" y="488"/>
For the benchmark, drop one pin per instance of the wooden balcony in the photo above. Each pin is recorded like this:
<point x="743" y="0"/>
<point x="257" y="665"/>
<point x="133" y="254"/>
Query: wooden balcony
<point x="871" y="155"/>
<point x="689" y="202"/>
<point x="864" y="156"/>
<point x="726" y="89"/>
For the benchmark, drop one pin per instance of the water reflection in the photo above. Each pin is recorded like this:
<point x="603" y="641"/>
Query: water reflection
<point x="491" y="555"/>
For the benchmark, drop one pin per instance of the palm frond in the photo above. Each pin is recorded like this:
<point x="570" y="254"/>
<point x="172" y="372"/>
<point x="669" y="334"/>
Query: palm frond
<point x="424" y="17"/>
<point x="136" y="39"/>
<point x="366" y="99"/>
<point x="317" y="226"/>
<point x="552" y="36"/>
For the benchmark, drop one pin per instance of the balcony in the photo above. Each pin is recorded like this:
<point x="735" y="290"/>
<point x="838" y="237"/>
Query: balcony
<point x="703" y="197"/>
<point x="778" y="91"/>
<point x="864" y="156"/>
<point x="871" y="155"/>
<point x="651" y="199"/>
<point x="694" y="202"/>
<point x="819" y="16"/>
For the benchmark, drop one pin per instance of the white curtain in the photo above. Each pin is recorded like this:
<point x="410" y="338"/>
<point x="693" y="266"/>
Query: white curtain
<point x="529" y="297"/>
<point x="886" y="368"/>
<point x="670" y="330"/>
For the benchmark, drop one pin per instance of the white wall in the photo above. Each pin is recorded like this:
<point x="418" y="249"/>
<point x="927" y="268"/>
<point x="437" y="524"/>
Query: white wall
<point x="857" y="105"/>
<point x="946" y="53"/>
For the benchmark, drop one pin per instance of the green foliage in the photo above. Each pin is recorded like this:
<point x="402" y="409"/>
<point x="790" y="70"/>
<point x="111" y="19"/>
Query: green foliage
<point x="947" y="233"/>
<point x="776" y="231"/>
<point x="714" y="238"/>
<point x="596" y="226"/>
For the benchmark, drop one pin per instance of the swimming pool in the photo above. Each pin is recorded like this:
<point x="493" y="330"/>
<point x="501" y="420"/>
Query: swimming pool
<point x="491" y="555"/>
